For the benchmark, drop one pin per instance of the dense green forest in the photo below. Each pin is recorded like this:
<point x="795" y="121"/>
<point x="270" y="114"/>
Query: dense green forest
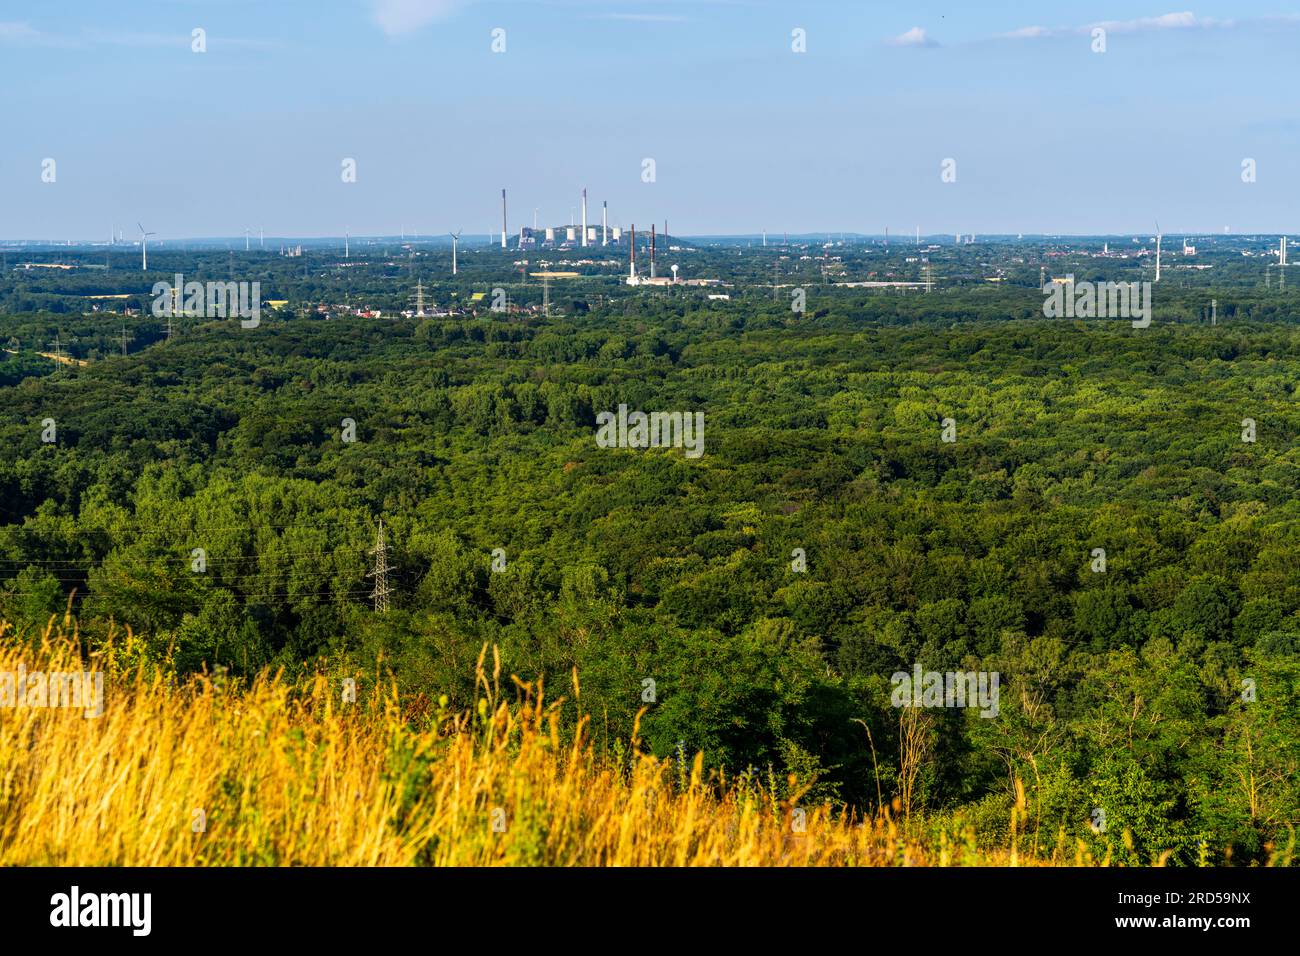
<point x="1160" y="690"/>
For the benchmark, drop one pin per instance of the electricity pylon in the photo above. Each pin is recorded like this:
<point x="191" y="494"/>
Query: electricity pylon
<point x="380" y="573"/>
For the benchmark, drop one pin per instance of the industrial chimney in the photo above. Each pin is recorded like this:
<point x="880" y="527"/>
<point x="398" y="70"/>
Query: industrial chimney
<point x="631" y="271"/>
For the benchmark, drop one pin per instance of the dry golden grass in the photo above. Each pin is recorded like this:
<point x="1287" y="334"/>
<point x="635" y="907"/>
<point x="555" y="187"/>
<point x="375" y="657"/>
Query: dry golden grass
<point x="287" y="774"/>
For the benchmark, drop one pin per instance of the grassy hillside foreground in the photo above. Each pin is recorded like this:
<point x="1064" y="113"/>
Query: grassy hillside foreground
<point x="204" y="772"/>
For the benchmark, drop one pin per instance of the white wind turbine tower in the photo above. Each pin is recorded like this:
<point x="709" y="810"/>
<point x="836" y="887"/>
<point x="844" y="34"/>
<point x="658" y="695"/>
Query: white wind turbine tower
<point x="455" y="238"/>
<point x="144" y="248"/>
<point x="246" y="231"/>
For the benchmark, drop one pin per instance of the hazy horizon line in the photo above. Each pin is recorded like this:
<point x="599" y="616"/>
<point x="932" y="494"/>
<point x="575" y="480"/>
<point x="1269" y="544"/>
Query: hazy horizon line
<point x="773" y="238"/>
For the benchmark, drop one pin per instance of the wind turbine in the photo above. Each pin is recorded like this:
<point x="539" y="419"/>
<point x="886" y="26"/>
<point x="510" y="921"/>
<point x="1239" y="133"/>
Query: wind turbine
<point x="246" y="231"/>
<point x="144" y="248"/>
<point x="455" y="238"/>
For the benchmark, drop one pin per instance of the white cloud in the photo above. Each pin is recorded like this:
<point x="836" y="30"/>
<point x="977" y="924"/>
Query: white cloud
<point x="12" y="30"/>
<point x="1028" y="33"/>
<point x="396" y="17"/>
<point x="1167" y="21"/>
<point x="913" y="37"/>
<point x="25" y="35"/>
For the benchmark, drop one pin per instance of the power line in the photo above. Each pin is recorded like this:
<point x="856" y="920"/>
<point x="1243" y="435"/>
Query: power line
<point x="116" y="577"/>
<point x="251" y="594"/>
<point x="153" y="526"/>
<point x="184" y="559"/>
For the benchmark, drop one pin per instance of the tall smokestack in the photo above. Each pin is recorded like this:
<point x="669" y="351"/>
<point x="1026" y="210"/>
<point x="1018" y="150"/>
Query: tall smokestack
<point x="503" y="219"/>
<point x="604" y="222"/>
<point x="631" y="271"/>
<point x="652" y="250"/>
<point x="584" y="219"/>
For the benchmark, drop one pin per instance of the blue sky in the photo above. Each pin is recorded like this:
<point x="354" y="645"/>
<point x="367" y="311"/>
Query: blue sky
<point x="1047" y="135"/>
